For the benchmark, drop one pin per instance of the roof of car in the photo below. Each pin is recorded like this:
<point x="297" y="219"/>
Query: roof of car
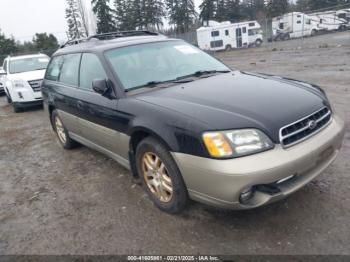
<point x="95" y="45"/>
<point x="26" y="56"/>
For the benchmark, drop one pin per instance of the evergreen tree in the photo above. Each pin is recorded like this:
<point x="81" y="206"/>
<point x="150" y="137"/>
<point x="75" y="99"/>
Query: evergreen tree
<point x="75" y="25"/>
<point x="105" y="16"/>
<point x="153" y="13"/>
<point x="277" y="7"/>
<point x="207" y="10"/>
<point x="7" y="47"/>
<point x="45" y="43"/>
<point x="181" y="14"/>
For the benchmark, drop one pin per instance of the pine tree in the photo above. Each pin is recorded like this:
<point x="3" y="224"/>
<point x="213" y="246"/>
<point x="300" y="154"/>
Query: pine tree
<point x="207" y="10"/>
<point x="181" y="14"/>
<point x="75" y="25"/>
<point x="105" y="16"/>
<point x="153" y="11"/>
<point x="277" y="7"/>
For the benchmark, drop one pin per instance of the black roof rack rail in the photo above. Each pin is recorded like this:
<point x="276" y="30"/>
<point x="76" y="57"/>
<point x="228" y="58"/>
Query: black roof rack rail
<point x="109" y="36"/>
<point x="73" y="42"/>
<point x="112" y="35"/>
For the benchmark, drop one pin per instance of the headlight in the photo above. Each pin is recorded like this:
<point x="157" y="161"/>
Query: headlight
<point x="18" y="83"/>
<point x="236" y="143"/>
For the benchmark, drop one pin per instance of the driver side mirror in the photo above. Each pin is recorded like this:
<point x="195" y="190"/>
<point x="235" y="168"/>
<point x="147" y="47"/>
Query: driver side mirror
<point x="100" y="86"/>
<point x="103" y="87"/>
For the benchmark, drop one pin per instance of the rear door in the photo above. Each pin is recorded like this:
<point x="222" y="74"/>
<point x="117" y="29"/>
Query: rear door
<point x="60" y="88"/>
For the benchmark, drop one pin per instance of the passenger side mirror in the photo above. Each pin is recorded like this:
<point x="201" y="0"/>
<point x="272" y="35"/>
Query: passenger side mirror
<point x="2" y="73"/>
<point x="103" y="87"/>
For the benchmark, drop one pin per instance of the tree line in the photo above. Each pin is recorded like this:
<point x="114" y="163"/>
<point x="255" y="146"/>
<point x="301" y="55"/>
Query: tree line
<point x="41" y="42"/>
<point x="181" y="15"/>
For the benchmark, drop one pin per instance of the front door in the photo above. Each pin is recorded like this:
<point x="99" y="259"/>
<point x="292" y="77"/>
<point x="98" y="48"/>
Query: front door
<point x="98" y="117"/>
<point x="239" y="37"/>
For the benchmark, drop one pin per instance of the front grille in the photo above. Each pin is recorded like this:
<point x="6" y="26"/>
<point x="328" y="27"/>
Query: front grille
<point x="305" y="127"/>
<point x="36" y="85"/>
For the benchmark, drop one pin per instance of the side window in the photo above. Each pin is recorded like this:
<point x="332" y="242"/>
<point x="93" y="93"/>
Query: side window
<point x="244" y="30"/>
<point x="227" y="32"/>
<point x="70" y="69"/>
<point x="215" y="33"/>
<point x="251" y="24"/>
<point x="308" y="21"/>
<point x="298" y="22"/>
<point x="54" y="68"/>
<point x="5" y="66"/>
<point x="90" y="69"/>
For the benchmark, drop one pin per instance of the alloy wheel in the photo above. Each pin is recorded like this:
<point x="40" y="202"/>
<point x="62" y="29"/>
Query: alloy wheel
<point x="157" y="177"/>
<point x="60" y="130"/>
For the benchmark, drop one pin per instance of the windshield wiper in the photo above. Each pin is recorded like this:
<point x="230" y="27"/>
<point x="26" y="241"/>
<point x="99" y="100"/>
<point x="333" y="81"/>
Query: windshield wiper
<point x="204" y="73"/>
<point x="153" y="84"/>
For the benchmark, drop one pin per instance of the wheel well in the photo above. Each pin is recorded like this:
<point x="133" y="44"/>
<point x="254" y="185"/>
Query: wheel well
<point x="51" y="108"/>
<point x="136" y="138"/>
<point x="140" y="135"/>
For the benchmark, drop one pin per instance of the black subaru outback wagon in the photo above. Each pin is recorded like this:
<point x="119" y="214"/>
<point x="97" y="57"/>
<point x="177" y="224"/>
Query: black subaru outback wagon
<point x="186" y="125"/>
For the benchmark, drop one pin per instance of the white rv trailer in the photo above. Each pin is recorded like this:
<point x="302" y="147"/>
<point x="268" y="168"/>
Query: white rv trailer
<point x="330" y="20"/>
<point x="225" y="36"/>
<point x="293" y="25"/>
<point x="344" y="14"/>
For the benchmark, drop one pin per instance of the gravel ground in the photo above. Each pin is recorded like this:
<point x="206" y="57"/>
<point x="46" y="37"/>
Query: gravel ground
<point x="80" y="202"/>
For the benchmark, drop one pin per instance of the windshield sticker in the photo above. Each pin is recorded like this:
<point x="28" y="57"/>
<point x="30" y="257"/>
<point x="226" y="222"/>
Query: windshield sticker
<point x="43" y="60"/>
<point x="185" y="49"/>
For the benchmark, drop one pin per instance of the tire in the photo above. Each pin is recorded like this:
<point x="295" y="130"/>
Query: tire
<point x="16" y="109"/>
<point x="9" y="100"/>
<point x="313" y="32"/>
<point x="228" y="48"/>
<point x="158" y="173"/>
<point x="258" y="42"/>
<point x="62" y="132"/>
<point x="286" y="37"/>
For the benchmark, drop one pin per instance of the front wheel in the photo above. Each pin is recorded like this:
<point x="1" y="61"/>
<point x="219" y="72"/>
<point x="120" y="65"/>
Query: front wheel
<point x="161" y="177"/>
<point x="228" y="48"/>
<point x="62" y="132"/>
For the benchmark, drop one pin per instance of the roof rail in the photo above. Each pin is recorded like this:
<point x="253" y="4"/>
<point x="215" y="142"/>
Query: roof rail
<point x="112" y="35"/>
<point x="73" y="42"/>
<point x="109" y="36"/>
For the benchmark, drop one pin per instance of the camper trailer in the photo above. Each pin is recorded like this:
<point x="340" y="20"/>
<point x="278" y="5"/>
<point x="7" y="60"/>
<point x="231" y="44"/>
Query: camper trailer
<point x="225" y="36"/>
<point x="344" y="14"/>
<point x="293" y="25"/>
<point x="331" y="20"/>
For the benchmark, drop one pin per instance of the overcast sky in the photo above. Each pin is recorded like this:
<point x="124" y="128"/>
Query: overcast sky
<point x="24" y="18"/>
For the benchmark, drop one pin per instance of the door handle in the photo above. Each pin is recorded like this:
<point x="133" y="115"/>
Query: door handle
<point x="80" y="105"/>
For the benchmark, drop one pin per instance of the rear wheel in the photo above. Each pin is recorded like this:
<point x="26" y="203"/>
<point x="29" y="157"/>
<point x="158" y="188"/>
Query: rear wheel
<point x="313" y="32"/>
<point x="62" y="132"/>
<point x="258" y="42"/>
<point x="160" y="176"/>
<point x="228" y="48"/>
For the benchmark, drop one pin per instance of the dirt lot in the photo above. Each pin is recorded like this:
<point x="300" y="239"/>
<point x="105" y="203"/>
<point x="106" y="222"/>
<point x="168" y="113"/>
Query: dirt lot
<point x="80" y="202"/>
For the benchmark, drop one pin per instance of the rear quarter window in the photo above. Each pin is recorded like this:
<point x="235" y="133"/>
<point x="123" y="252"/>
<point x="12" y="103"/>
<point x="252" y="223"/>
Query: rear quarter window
<point x="54" y="68"/>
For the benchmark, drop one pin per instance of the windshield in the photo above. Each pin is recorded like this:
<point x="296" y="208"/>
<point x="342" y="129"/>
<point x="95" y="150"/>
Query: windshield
<point x="158" y="62"/>
<point x="28" y="64"/>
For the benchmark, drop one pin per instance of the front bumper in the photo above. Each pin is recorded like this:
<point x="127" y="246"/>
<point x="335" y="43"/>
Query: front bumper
<point x="38" y="102"/>
<point x="221" y="182"/>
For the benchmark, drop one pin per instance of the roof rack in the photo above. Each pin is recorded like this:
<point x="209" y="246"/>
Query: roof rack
<point x="109" y="36"/>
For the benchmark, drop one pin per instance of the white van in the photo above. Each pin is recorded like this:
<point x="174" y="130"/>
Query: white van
<point x="293" y="25"/>
<point x="225" y="36"/>
<point x="22" y="80"/>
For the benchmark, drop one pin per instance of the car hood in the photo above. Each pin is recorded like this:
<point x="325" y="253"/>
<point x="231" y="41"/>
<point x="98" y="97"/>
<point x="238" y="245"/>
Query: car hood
<point x="239" y="100"/>
<point x="28" y="76"/>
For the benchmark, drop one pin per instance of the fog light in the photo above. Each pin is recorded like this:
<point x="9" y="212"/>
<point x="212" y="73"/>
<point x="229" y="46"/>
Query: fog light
<point x="246" y="195"/>
<point x="20" y="95"/>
